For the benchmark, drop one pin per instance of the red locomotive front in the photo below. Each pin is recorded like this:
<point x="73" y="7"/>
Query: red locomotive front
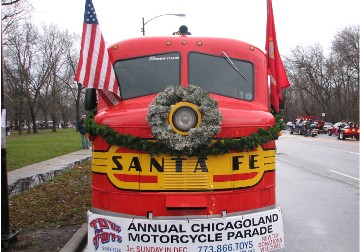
<point x="185" y="161"/>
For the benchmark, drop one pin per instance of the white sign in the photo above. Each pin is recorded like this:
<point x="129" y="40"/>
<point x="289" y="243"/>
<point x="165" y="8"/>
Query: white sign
<point x="3" y="118"/>
<point x="245" y="233"/>
<point x="3" y="129"/>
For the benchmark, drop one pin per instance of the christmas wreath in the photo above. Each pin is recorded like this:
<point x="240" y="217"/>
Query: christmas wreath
<point x="196" y="137"/>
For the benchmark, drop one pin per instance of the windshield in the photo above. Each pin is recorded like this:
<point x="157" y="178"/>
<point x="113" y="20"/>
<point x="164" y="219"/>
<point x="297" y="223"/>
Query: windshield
<point x="147" y="75"/>
<point x="217" y="75"/>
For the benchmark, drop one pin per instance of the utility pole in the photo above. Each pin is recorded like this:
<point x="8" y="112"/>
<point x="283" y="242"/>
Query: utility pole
<point x="7" y="235"/>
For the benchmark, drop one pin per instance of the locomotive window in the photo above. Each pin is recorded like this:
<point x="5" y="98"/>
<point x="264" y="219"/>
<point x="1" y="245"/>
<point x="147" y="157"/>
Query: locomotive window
<point x="147" y="75"/>
<point x="217" y="75"/>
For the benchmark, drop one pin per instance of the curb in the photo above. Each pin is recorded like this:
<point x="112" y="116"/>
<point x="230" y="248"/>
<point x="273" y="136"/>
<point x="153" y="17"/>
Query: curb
<point x="25" y="178"/>
<point x="78" y="241"/>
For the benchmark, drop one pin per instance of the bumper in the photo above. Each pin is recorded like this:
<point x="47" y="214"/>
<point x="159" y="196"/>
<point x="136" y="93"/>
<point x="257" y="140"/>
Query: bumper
<point x="260" y="231"/>
<point x="351" y="135"/>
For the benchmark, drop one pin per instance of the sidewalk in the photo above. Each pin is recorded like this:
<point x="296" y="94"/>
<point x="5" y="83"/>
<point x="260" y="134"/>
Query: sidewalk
<point x="27" y="177"/>
<point x="23" y="179"/>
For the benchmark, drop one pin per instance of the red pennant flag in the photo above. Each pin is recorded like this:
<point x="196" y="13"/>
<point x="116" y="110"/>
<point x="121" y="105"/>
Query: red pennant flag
<point x="278" y="77"/>
<point x="95" y="69"/>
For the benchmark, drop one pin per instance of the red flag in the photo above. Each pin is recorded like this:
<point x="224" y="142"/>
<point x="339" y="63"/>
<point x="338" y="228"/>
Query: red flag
<point x="278" y="77"/>
<point x="95" y="69"/>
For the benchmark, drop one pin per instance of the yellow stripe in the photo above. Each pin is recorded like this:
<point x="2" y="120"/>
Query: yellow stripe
<point x="165" y="173"/>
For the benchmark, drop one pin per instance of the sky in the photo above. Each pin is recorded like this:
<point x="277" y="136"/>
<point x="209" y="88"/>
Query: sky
<point x="302" y="22"/>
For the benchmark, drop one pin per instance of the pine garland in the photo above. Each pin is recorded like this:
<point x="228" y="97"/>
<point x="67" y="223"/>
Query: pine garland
<point x="218" y="147"/>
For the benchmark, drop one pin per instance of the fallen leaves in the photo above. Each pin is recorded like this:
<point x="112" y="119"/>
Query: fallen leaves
<point x="61" y="201"/>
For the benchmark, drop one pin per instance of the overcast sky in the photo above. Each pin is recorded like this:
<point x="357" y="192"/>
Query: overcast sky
<point x="301" y="22"/>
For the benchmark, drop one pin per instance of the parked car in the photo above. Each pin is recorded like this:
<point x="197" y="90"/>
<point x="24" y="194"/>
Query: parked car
<point x="320" y="125"/>
<point x="344" y="130"/>
<point x="326" y="127"/>
<point x="334" y="129"/>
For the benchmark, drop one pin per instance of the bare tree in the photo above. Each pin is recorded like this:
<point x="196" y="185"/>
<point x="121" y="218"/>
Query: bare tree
<point x="58" y="43"/>
<point x="72" y="60"/>
<point x="13" y="12"/>
<point x="325" y="84"/>
<point x="345" y="68"/>
<point x="19" y="55"/>
<point x="73" y="89"/>
<point x="39" y="74"/>
<point x="306" y="73"/>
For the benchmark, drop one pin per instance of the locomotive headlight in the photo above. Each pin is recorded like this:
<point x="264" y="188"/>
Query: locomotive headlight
<point x="183" y="117"/>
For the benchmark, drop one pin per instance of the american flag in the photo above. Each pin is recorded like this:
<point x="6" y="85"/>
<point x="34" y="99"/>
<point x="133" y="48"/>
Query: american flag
<point x="95" y="69"/>
<point x="278" y="77"/>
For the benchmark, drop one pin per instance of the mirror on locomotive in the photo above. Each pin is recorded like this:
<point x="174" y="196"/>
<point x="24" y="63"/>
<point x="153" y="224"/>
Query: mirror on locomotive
<point x="90" y="99"/>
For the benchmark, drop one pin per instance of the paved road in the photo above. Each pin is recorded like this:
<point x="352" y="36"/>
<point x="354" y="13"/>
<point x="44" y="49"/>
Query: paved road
<point x="318" y="190"/>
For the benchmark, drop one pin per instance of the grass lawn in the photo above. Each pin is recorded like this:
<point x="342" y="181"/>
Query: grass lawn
<point x="49" y="214"/>
<point x="26" y="149"/>
<point x="62" y="201"/>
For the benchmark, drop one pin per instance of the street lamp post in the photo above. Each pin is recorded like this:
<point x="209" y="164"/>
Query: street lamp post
<point x="144" y="23"/>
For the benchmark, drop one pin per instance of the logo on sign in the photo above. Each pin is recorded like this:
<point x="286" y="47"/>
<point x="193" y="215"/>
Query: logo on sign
<point x="105" y="231"/>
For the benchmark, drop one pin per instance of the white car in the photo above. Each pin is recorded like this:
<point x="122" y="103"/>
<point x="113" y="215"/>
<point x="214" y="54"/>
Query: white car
<point x="326" y="127"/>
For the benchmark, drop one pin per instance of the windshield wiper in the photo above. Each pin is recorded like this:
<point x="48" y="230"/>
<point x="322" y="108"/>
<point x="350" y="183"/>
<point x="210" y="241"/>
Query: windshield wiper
<point x="232" y="64"/>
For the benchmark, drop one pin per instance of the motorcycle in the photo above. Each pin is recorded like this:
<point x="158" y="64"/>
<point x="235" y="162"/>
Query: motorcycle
<point x="311" y="130"/>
